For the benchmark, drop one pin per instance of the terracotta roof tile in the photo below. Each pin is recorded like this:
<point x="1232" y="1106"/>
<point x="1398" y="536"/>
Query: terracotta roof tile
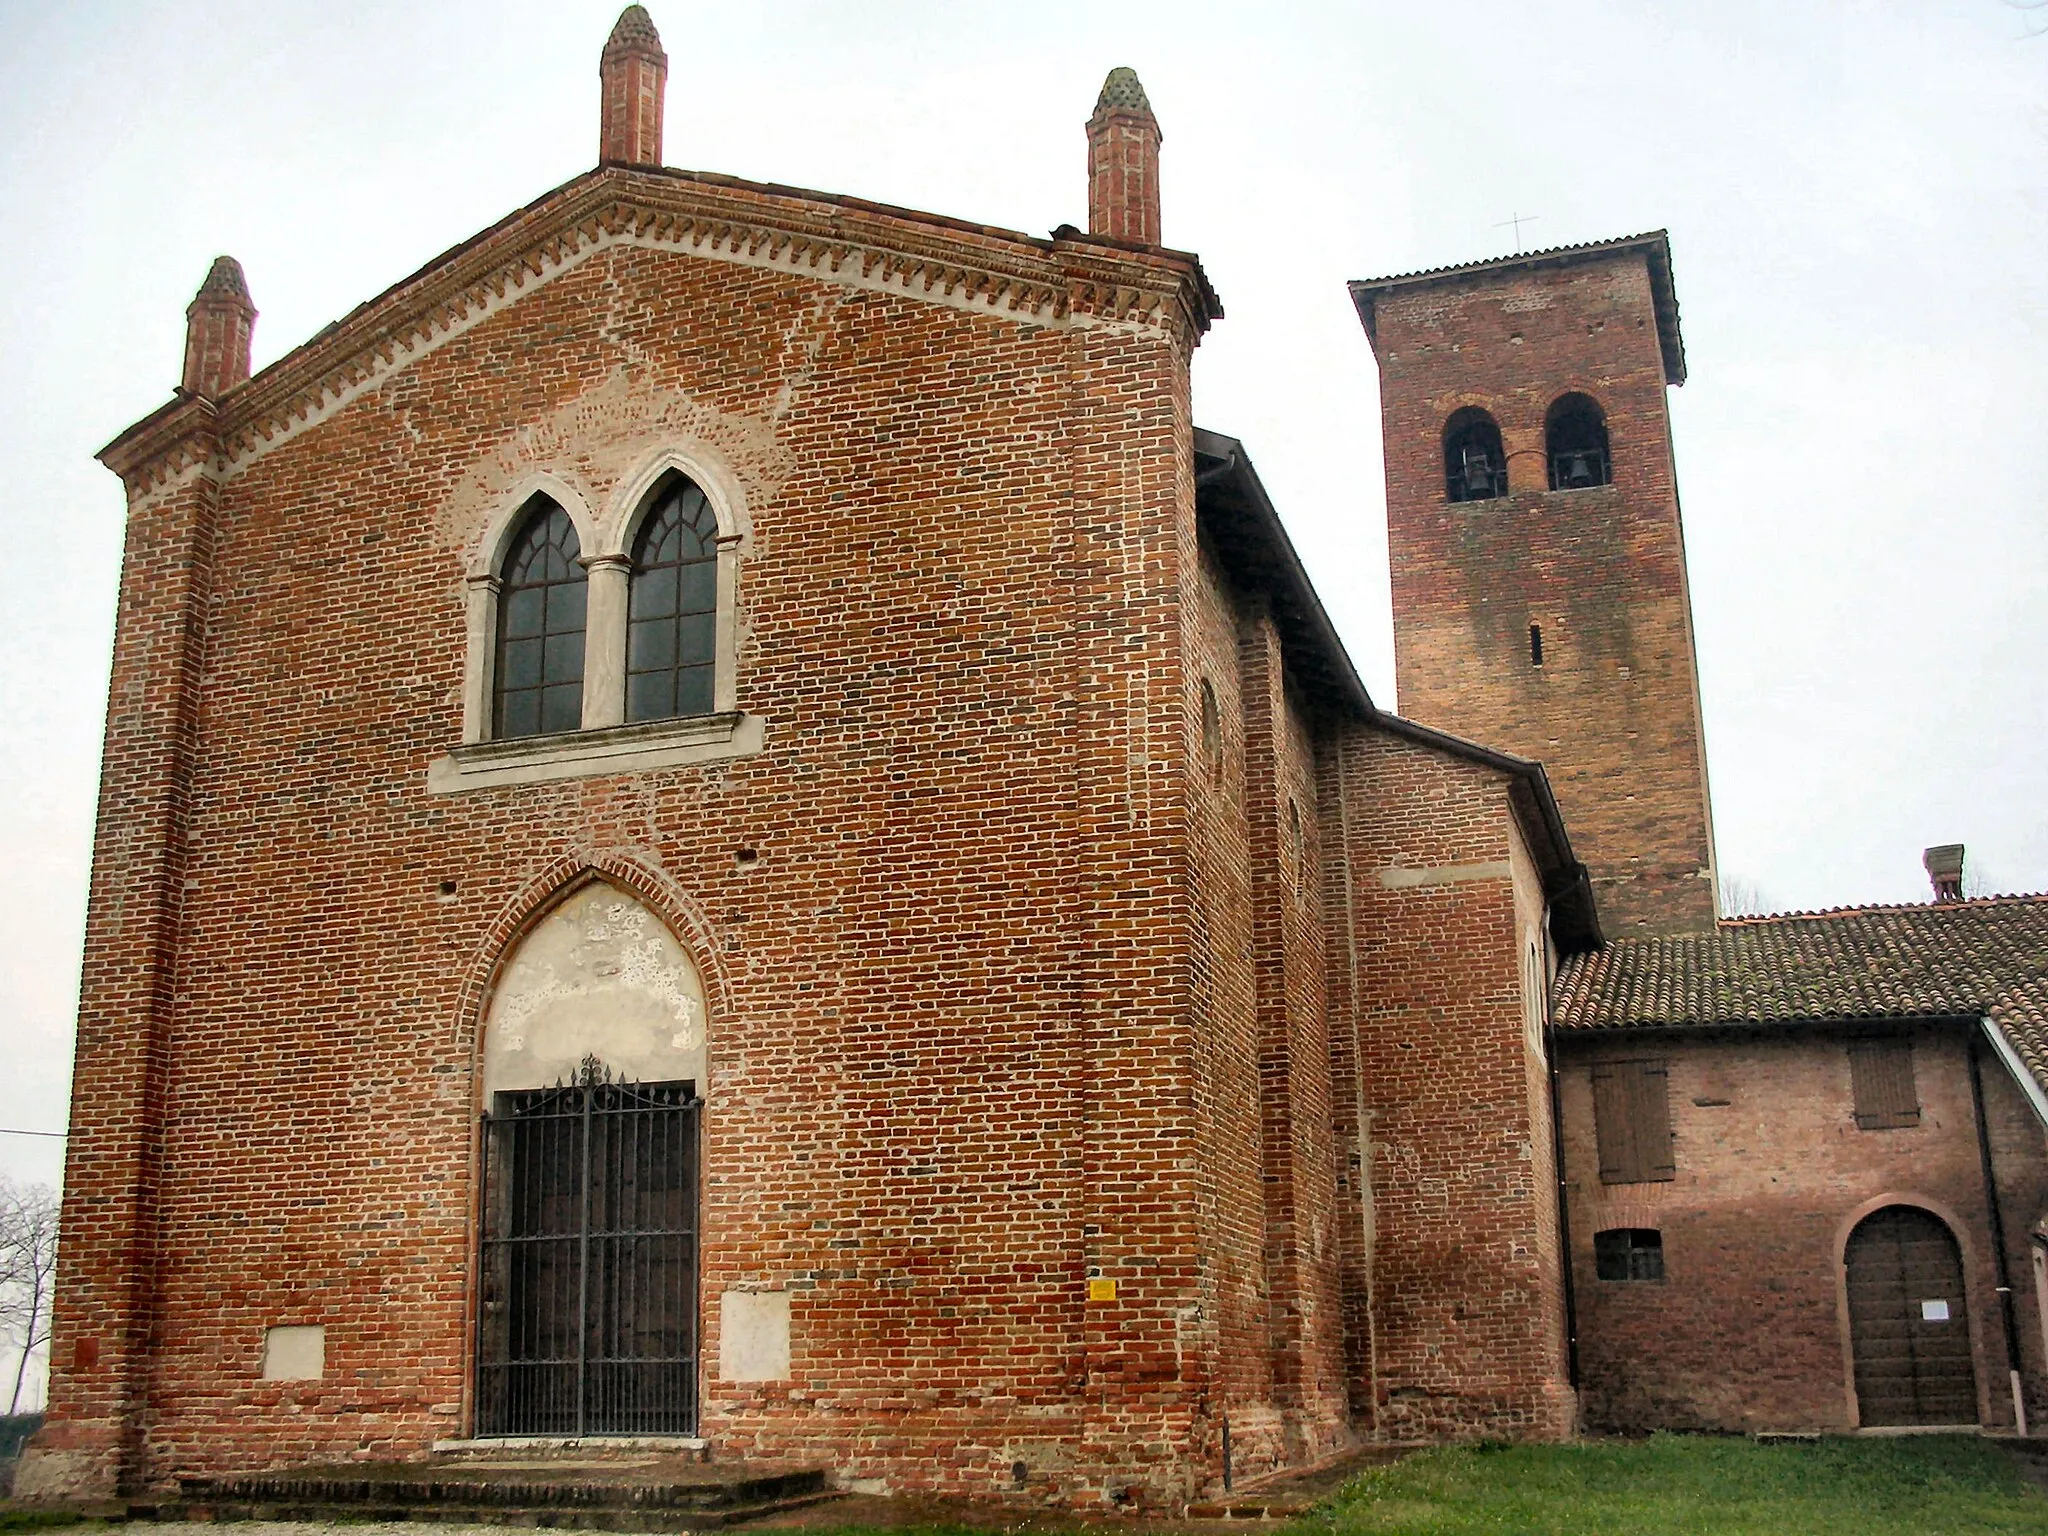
<point x="1986" y="957"/>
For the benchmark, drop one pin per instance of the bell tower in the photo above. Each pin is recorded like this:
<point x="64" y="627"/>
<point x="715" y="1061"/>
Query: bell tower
<point x="1540" y="601"/>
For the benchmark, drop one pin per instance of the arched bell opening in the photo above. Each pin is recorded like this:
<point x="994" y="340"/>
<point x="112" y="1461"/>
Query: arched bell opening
<point x="1475" y="462"/>
<point x="1575" y="443"/>
<point x="594" y="1060"/>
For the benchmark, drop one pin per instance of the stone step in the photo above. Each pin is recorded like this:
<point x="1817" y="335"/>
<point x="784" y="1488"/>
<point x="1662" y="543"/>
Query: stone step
<point x="599" y="1493"/>
<point x="552" y="1517"/>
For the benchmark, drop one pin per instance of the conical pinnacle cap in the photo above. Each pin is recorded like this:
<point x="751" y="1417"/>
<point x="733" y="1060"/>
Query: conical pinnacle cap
<point x="634" y="32"/>
<point x="224" y="281"/>
<point x="1122" y="89"/>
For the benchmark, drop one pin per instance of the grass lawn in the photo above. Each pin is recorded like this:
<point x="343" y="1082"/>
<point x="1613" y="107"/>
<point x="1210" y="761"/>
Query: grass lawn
<point x="1682" y="1485"/>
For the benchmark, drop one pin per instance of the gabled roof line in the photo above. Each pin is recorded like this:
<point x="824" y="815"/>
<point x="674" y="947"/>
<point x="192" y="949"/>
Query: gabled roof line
<point x="1817" y="914"/>
<point x="1908" y="963"/>
<point x="1057" y="281"/>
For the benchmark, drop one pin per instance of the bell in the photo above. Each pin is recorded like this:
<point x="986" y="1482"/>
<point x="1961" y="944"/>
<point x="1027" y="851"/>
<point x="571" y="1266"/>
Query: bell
<point x="1579" y="470"/>
<point x="1478" y="475"/>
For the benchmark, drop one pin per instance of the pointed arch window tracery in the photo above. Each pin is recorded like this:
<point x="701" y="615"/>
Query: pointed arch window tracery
<point x="543" y="609"/>
<point x="603" y="643"/>
<point x="672" y="622"/>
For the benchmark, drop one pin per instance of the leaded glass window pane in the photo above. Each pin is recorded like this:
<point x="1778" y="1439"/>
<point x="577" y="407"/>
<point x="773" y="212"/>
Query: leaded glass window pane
<point x="541" y="606"/>
<point x="672" y="633"/>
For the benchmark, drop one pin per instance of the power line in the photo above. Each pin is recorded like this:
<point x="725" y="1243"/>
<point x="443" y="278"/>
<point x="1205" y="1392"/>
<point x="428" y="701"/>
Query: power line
<point x="8" y="1130"/>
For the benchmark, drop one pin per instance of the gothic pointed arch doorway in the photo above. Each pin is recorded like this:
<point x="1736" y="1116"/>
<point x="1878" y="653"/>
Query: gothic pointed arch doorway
<point x="1909" y="1327"/>
<point x="593" y="1061"/>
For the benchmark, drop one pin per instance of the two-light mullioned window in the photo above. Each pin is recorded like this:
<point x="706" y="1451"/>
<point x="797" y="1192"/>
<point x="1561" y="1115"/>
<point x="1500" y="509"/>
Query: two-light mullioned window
<point x="671" y="624"/>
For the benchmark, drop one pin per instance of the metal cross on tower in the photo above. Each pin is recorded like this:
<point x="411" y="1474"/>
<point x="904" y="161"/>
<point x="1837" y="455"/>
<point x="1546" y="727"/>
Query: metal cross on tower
<point x="1518" y="220"/>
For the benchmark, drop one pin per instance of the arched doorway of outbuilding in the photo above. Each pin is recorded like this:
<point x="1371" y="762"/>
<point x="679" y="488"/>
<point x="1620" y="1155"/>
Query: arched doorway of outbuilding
<point x="1909" y="1328"/>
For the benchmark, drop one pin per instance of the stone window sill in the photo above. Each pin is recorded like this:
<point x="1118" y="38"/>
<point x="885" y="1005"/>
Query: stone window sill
<point x="636" y="748"/>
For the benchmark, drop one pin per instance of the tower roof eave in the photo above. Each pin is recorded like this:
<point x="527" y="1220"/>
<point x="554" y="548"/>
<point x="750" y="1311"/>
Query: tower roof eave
<point x="1655" y="247"/>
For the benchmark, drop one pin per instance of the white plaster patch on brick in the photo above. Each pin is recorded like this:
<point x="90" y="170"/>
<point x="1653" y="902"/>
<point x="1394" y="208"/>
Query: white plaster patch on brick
<point x="1400" y="879"/>
<point x="801" y="344"/>
<point x="753" y="1335"/>
<point x="295" y="1352"/>
<point x="1425" y="308"/>
<point x="599" y="976"/>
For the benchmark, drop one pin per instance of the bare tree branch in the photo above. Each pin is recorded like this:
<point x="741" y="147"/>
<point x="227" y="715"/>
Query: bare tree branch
<point x="28" y="1273"/>
<point x="1740" y="897"/>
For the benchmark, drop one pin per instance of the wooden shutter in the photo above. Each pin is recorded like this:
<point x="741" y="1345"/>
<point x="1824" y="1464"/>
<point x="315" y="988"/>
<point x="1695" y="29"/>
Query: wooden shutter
<point x="1632" y="1121"/>
<point x="1881" y="1071"/>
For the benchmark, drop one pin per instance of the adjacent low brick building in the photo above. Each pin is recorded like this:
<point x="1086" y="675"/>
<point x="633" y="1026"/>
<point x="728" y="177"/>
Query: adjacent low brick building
<point x="1773" y="1131"/>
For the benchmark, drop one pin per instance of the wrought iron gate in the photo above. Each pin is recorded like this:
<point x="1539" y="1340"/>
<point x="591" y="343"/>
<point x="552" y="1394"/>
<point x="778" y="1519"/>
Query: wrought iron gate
<point x="587" y="1317"/>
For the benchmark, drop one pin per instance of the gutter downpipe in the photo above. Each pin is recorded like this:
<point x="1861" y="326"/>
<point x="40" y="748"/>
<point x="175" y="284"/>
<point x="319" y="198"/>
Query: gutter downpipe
<point x="2012" y="1350"/>
<point x="1564" y="1223"/>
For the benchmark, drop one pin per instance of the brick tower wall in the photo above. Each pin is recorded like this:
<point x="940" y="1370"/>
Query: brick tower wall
<point x="1613" y="711"/>
<point x="950" y="1030"/>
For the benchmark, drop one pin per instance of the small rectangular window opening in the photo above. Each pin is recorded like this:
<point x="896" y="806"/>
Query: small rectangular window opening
<point x="1881" y="1073"/>
<point x="1629" y="1253"/>
<point x="1632" y="1122"/>
<point x="1535" y="645"/>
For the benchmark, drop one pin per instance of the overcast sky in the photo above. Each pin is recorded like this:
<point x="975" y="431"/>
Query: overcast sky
<point x="1857" y="196"/>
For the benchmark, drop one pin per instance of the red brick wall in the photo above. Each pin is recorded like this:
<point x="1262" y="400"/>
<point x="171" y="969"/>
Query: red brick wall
<point x="952" y="1034"/>
<point x="1462" y="1330"/>
<point x="1303" y="1307"/>
<point x="1613" y="712"/>
<point x="1227" y="1077"/>
<point x="1748" y="1331"/>
<point x="105" y="1314"/>
<point x="1265" y="1063"/>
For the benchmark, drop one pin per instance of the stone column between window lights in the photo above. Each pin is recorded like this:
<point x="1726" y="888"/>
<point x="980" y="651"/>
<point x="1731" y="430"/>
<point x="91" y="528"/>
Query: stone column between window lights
<point x="604" y="640"/>
<point x="481" y="622"/>
<point x="725" y="682"/>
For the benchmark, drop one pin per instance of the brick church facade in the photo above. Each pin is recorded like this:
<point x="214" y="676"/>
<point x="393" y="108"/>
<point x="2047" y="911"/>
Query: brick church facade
<point x="722" y="823"/>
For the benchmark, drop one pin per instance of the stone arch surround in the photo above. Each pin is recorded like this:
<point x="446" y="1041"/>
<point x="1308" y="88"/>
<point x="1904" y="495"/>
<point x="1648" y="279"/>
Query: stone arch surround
<point x="598" y="974"/>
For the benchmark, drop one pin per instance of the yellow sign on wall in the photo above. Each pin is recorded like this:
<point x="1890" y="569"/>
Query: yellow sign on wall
<point x="1102" y="1290"/>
